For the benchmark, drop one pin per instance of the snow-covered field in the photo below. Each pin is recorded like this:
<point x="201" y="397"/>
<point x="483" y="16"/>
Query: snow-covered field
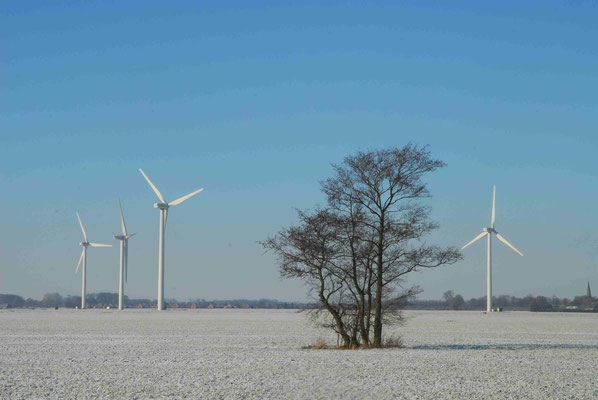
<point x="258" y="354"/>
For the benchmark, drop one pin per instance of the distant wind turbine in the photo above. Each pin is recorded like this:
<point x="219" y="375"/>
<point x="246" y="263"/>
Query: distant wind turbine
<point x="124" y="257"/>
<point x="83" y="258"/>
<point x="488" y="232"/>
<point x="163" y="207"/>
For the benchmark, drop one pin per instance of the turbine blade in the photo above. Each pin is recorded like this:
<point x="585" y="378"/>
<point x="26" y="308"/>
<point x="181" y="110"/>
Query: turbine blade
<point x="82" y="228"/>
<point x="481" y="235"/>
<point x="122" y="219"/>
<point x="100" y="245"/>
<point x="502" y="239"/>
<point x="181" y="199"/>
<point x="493" y="208"/>
<point x="130" y="236"/>
<point x="80" y="259"/>
<point x="153" y="187"/>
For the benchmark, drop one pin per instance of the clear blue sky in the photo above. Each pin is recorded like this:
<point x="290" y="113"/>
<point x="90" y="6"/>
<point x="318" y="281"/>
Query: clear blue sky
<point x="255" y="100"/>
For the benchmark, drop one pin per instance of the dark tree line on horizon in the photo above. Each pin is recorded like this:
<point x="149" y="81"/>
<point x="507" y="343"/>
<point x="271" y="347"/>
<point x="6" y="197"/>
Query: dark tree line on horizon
<point x="105" y="299"/>
<point x="450" y="301"/>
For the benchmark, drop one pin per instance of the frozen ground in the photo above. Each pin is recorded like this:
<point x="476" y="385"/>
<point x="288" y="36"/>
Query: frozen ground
<point x="257" y="354"/>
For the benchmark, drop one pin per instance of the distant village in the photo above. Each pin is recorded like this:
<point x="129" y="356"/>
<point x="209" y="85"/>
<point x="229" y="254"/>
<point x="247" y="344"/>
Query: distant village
<point x="450" y="301"/>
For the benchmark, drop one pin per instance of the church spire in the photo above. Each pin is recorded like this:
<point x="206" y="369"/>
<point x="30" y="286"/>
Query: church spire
<point x="589" y="293"/>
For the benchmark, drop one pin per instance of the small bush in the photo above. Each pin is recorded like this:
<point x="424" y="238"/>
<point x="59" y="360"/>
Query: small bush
<point x="393" y="342"/>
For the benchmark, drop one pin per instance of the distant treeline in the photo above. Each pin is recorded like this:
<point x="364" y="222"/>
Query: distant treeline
<point x="103" y="300"/>
<point x="448" y="302"/>
<point x="527" y="303"/>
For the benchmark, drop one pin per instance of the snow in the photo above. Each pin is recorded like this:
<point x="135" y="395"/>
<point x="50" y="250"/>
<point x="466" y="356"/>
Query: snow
<point x="259" y="354"/>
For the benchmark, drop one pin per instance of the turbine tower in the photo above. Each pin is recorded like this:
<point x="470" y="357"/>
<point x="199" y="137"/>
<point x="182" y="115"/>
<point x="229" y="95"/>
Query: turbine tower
<point x="488" y="232"/>
<point x="83" y="258"/>
<point x="163" y="207"/>
<point x="124" y="257"/>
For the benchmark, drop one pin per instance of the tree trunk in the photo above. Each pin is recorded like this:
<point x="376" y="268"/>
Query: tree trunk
<point x="361" y="321"/>
<point x="337" y="319"/>
<point x="378" y="300"/>
<point x="368" y="317"/>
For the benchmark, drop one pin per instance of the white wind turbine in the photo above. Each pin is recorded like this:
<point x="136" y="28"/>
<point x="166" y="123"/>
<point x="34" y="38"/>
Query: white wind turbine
<point x="488" y="232"/>
<point x="124" y="257"/>
<point x="83" y="258"/>
<point x="163" y="207"/>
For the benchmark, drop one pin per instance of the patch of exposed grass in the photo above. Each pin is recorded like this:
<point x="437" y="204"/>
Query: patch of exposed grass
<point x="318" y="345"/>
<point x="392" y="342"/>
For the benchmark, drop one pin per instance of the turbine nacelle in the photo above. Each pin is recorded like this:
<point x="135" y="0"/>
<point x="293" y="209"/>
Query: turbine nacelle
<point x="119" y="237"/>
<point x="161" y="206"/>
<point x="84" y="244"/>
<point x="489" y="230"/>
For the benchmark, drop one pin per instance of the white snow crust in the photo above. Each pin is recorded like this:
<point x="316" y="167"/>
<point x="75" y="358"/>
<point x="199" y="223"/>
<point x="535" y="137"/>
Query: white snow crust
<point x="259" y="354"/>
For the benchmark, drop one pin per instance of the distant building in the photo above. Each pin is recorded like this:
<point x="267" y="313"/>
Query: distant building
<point x="588" y="302"/>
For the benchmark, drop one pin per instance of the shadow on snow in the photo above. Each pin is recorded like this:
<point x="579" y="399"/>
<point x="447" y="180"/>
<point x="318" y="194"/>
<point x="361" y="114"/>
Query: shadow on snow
<point x="529" y="346"/>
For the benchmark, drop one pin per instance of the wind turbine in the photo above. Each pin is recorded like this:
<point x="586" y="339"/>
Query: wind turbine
<point x="488" y="232"/>
<point x="83" y="258"/>
<point x="124" y="257"/>
<point x="163" y="207"/>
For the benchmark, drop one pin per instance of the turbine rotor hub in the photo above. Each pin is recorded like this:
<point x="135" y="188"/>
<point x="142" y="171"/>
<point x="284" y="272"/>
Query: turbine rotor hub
<point x="161" y="206"/>
<point x="489" y="230"/>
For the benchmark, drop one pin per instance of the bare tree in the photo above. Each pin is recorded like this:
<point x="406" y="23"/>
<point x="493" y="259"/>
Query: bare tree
<point x="309" y="252"/>
<point x="356" y="252"/>
<point x="448" y="296"/>
<point x="52" y="300"/>
<point x="385" y="185"/>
